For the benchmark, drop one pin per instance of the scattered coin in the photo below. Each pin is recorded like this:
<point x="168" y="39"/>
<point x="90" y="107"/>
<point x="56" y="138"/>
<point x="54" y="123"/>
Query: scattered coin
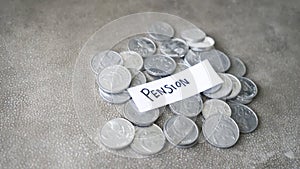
<point x="189" y="107"/>
<point x="161" y="31"/>
<point x="180" y="67"/>
<point x="142" y="45"/>
<point x="215" y="106"/>
<point x="220" y="131"/>
<point x="249" y="89"/>
<point x="237" y="67"/>
<point x="137" y="77"/>
<point x="138" y="118"/>
<point x="213" y="89"/>
<point x="218" y="60"/>
<point x="174" y="48"/>
<point x="245" y="117"/>
<point x="117" y="98"/>
<point x="117" y="133"/>
<point x="191" y="58"/>
<point x="114" y="79"/>
<point x="148" y="140"/>
<point x="132" y="59"/>
<point x="149" y="77"/>
<point x="193" y="35"/>
<point x="241" y="100"/>
<point x="224" y="90"/>
<point x="159" y="65"/>
<point x="206" y="44"/>
<point x="105" y="59"/>
<point x="236" y="87"/>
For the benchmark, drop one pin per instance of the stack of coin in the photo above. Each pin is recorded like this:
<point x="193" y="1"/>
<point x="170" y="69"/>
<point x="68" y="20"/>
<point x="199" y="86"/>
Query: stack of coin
<point x="159" y="54"/>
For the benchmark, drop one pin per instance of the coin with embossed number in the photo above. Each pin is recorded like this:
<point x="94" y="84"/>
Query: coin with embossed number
<point x="249" y="89"/>
<point x="236" y="87"/>
<point x="181" y="131"/>
<point x="105" y="59"/>
<point x="224" y="90"/>
<point x="193" y="35"/>
<point x="244" y="116"/>
<point x="117" y="133"/>
<point x="161" y="31"/>
<point x="189" y="107"/>
<point x="148" y="140"/>
<point x="138" y="118"/>
<point x="159" y="65"/>
<point x="132" y="59"/>
<point x="174" y="48"/>
<point x="117" y="98"/>
<point x="215" y="106"/>
<point x="237" y="67"/>
<point x="114" y="79"/>
<point x="142" y="45"/>
<point x="220" y="131"/>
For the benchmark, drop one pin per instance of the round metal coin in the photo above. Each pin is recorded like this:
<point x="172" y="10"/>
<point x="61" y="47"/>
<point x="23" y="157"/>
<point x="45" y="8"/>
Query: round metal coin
<point x="206" y="44"/>
<point x="138" y="77"/>
<point x="224" y="90"/>
<point x="114" y="79"/>
<point x="245" y="117"/>
<point x="132" y="59"/>
<point x="191" y="58"/>
<point x="117" y="98"/>
<point x="148" y="140"/>
<point x="105" y="59"/>
<point x="215" y="106"/>
<point x="174" y="48"/>
<point x="236" y="87"/>
<point x="220" y="131"/>
<point x="180" y="67"/>
<point x="142" y="45"/>
<point x="193" y="35"/>
<point x="237" y="67"/>
<point x="138" y="118"/>
<point x="161" y="31"/>
<point x="218" y="60"/>
<point x="159" y="65"/>
<point x="117" y="133"/>
<point x="249" y="89"/>
<point x="189" y="107"/>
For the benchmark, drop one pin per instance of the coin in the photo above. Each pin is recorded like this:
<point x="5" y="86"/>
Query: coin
<point x="159" y="65"/>
<point x="244" y="116"/>
<point x="137" y="76"/>
<point x="117" y="133"/>
<point x="114" y="79"/>
<point x="149" y="77"/>
<point x="138" y="118"/>
<point x="174" y="48"/>
<point x="132" y="59"/>
<point x="148" y="140"/>
<point x="191" y="58"/>
<point x="180" y="67"/>
<point x="105" y="59"/>
<point x="218" y="60"/>
<point x="117" y="98"/>
<point x="237" y="67"/>
<point x="142" y="45"/>
<point x="213" y="89"/>
<point x="224" y="90"/>
<point x="241" y="100"/>
<point x="161" y="31"/>
<point x="193" y="35"/>
<point x="220" y="131"/>
<point x="215" y="106"/>
<point x="206" y="44"/>
<point x="249" y="89"/>
<point x="189" y="107"/>
<point x="236" y="87"/>
<point x="180" y="130"/>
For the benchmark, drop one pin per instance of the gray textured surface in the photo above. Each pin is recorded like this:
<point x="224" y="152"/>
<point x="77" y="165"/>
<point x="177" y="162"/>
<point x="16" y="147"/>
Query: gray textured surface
<point x="40" y="42"/>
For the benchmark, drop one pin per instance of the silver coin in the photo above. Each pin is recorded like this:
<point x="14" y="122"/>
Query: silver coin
<point x="149" y="77"/>
<point x="114" y="79"/>
<point x="206" y="44"/>
<point x="193" y="35"/>
<point x="117" y="98"/>
<point x="218" y="60"/>
<point x="138" y="77"/>
<point x="161" y="31"/>
<point x="105" y="59"/>
<point x="220" y="131"/>
<point x="236" y="87"/>
<point x="189" y="107"/>
<point x="117" y="133"/>
<point x="138" y="118"/>
<point x="191" y="58"/>
<point x="249" y="89"/>
<point x="142" y="45"/>
<point x="174" y="48"/>
<point x="224" y="90"/>
<point x="241" y="100"/>
<point x="245" y="117"/>
<point x="159" y="65"/>
<point x="132" y="59"/>
<point x="180" y="67"/>
<point x="181" y="131"/>
<point x="215" y="106"/>
<point x="148" y="140"/>
<point x="213" y="89"/>
<point x="237" y="67"/>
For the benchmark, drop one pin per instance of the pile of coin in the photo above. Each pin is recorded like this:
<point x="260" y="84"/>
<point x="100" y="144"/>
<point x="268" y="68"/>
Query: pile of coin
<point x="159" y="54"/>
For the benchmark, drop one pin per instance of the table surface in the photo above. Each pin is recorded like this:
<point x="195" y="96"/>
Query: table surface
<point x="40" y="42"/>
